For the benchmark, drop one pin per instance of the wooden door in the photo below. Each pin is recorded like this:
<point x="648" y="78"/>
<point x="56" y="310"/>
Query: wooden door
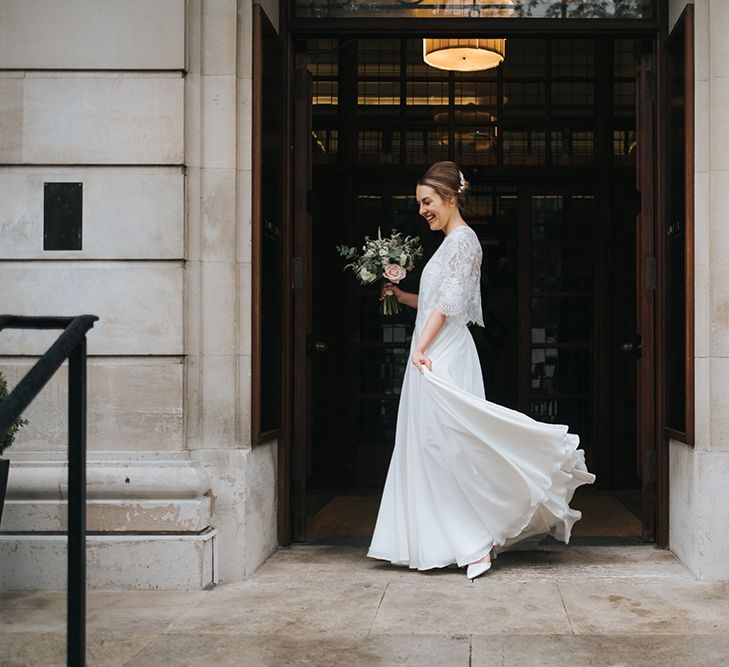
<point x="379" y="345"/>
<point x="558" y="309"/>
<point x="558" y="306"/>
<point x="645" y="254"/>
<point x="301" y="301"/>
<point x="540" y="348"/>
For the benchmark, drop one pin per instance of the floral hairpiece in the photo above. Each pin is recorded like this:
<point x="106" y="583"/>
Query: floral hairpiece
<point x="463" y="182"/>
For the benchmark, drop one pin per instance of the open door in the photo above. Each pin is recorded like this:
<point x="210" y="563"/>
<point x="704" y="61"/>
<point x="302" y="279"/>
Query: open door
<point x="303" y="346"/>
<point x="645" y="254"/>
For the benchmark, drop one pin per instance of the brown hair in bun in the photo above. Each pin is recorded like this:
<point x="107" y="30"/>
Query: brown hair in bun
<point x="448" y="181"/>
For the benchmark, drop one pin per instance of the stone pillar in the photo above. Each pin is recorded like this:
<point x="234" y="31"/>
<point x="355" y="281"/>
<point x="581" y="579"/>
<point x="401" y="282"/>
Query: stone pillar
<point x="699" y="493"/>
<point x="218" y="316"/>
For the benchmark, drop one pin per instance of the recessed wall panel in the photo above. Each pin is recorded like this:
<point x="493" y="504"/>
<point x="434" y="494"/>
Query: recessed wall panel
<point x="62" y="216"/>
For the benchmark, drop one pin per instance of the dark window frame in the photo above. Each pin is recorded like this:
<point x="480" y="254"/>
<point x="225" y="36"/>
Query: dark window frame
<point x="269" y="273"/>
<point x="680" y="47"/>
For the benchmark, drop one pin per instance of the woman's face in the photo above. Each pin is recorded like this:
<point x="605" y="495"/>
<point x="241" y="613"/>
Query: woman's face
<point x="436" y="210"/>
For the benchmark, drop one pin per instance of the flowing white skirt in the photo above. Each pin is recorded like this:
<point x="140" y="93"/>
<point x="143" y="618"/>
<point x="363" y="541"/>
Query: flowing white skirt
<point x="467" y="474"/>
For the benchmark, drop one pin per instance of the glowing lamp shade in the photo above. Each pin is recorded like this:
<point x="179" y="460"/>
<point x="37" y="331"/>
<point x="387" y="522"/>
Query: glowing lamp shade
<point x="464" y="55"/>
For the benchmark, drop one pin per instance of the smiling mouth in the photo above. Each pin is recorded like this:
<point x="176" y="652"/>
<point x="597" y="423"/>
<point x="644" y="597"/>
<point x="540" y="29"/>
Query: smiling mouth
<point x="429" y="218"/>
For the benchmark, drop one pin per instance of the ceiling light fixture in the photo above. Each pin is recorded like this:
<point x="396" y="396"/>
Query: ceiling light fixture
<point x="470" y="55"/>
<point x="464" y="55"/>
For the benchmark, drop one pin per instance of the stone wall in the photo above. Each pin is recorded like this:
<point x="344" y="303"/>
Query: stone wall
<point x="699" y="493"/>
<point x="149" y="106"/>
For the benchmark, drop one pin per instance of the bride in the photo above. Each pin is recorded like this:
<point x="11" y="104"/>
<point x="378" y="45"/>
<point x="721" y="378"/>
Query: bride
<point x="468" y="478"/>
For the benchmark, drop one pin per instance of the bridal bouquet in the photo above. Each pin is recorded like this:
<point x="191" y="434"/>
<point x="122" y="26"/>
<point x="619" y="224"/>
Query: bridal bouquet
<point x="389" y="258"/>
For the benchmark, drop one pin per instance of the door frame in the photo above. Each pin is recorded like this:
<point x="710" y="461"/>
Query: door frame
<point x="654" y="30"/>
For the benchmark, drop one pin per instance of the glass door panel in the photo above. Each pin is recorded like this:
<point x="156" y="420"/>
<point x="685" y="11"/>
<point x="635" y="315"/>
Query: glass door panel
<point x="556" y="380"/>
<point x="561" y="298"/>
<point x="494" y="216"/>
<point x="380" y="344"/>
<point x="491" y="9"/>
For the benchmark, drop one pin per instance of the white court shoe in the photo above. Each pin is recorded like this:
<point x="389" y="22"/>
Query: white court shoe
<point x="477" y="569"/>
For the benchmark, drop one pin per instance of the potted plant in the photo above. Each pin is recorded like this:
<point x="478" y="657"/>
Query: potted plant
<point x="6" y="440"/>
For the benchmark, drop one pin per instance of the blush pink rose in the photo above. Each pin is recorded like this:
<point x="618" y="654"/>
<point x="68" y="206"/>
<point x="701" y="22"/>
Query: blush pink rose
<point x="394" y="273"/>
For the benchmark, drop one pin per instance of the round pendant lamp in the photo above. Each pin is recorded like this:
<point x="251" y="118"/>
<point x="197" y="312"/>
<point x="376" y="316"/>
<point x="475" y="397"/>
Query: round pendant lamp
<point x="464" y="55"/>
<point x="470" y="55"/>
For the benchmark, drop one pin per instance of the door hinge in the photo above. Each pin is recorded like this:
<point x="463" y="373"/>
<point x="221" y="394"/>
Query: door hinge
<point x="650" y="273"/>
<point x="297" y="273"/>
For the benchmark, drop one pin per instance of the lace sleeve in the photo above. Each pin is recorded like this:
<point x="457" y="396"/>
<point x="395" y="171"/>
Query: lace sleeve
<point x="460" y="288"/>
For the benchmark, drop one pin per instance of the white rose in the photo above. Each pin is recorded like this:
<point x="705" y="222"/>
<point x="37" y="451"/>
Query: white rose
<point x="366" y="276"/>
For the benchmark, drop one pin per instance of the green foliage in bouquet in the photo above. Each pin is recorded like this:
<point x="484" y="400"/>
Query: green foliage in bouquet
<point x="388" y="258"/>
<point x="378" y="253"/>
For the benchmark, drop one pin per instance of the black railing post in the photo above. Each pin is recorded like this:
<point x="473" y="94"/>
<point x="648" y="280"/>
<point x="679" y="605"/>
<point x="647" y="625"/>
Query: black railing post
<point x="76" y="599"/>
<point x="71" y="345"/>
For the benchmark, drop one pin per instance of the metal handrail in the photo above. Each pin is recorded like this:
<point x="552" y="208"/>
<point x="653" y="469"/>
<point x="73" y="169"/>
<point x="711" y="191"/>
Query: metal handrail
<point x="71" y="345"/>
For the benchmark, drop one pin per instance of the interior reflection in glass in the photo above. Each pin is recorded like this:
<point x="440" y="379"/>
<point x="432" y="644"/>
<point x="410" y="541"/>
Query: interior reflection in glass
<point x="550" y="9"/>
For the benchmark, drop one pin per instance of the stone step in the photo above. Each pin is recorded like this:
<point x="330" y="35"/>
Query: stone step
<point x="170" y="561"/>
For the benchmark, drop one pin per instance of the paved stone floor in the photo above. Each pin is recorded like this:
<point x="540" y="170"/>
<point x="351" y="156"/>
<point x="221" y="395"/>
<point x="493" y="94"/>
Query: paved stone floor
<point x="328" y="605"/>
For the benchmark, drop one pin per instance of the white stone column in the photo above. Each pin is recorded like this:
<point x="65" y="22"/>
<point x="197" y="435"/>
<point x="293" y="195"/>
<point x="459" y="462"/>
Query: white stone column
<point x="218" y="308"/>
<point x="699" y="493"/>
<point x="713" y="456"/>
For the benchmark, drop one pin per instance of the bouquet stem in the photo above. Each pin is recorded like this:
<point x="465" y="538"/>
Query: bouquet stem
<point x="390" y="305"/>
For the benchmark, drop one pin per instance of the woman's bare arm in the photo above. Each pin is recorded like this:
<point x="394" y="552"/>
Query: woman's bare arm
<point x="436" y="321"/>
<point x="408" y="299"/>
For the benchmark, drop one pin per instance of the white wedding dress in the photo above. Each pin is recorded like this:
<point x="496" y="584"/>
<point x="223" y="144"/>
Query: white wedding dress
<point x="466" y="474"/>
